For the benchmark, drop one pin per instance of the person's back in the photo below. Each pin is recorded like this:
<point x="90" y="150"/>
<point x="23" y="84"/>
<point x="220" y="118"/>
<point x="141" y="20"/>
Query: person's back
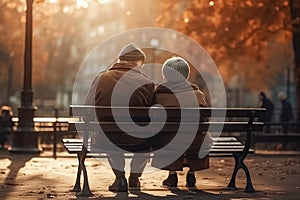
<point x="286" y="113"/>
<point x="268" y="105"/>
<point x="178" y="92"/>
<point x="123" y="85"/>
<point x="166" y="95"/>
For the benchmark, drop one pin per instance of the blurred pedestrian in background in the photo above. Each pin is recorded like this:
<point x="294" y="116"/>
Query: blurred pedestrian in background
<point x="6" y="124"/>
<point x="266" y="103"/>
<point x="286" y="113"/>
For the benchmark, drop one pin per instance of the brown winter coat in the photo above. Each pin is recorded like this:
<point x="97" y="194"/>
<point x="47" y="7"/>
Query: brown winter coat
<point x="121" y="85"/>
<point x="166" y="95"/>
<point x="128" y="86"/>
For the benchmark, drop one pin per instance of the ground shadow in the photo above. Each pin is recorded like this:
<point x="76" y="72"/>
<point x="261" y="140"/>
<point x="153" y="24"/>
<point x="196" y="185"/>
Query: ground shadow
<point x="176" y="193"/>
<point x="10" y="182"/>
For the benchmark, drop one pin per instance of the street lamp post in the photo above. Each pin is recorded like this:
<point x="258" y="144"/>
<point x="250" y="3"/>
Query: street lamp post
<point x="24" y="138"/>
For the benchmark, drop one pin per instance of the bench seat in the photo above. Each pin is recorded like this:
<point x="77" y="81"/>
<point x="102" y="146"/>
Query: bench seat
<point x="222" y="147"/>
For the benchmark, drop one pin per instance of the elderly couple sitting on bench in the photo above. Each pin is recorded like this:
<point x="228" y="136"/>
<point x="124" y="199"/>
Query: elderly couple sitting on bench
<point x="112" y="87"/>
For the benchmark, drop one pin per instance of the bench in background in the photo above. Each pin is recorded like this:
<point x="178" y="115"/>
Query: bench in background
<point x="50" y="129"/>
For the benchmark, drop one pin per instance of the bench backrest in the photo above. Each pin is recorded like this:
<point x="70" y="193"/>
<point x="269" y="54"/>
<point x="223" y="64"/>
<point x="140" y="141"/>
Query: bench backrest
<point x="160" y="123"/>
<point x="232" y="119"/>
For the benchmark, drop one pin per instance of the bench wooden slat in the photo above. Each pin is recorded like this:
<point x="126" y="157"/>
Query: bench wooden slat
<point x="212" y="153"/>
<point x="135" y="112"/>
<point x="215" y="139"/>
<point x="171" y="127"/>
<point x="221" y="145"/>
<point x="228" y="147"/>
<point x="72" y="140"/>
<point x="76" y="149"/>
<point x="224" y="139"/>
<point x="226" y="143"/>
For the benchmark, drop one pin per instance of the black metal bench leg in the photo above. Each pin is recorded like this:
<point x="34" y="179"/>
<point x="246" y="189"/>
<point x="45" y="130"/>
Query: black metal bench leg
<point x="77" y="187"/>
<point x="249" y="187"/>
<point x="235" y="170"/>
<point x="86" y="188"/>
<point x="239" y="163"/>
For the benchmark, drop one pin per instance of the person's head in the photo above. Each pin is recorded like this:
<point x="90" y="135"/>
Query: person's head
<point x="262" y="95"/>
<point x="175" y="69"/>
<point x="132" y="54"/>
<point x="282" y="96"/>
<point x="5" y="111"/>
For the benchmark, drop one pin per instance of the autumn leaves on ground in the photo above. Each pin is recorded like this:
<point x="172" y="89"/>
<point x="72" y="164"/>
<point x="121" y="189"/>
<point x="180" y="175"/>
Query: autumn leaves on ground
<point x="24" y="176"/>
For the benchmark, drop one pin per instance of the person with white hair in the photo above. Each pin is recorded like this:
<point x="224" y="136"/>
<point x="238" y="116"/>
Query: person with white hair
<point x="175" y="72"/>
<point x="286" y="113"/>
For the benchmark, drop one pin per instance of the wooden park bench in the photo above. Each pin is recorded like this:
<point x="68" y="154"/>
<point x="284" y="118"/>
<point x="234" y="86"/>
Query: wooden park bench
<point x="236" y="120"/>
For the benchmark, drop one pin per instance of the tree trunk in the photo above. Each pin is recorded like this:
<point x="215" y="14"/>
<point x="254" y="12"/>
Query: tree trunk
<point x="295" y="16"/>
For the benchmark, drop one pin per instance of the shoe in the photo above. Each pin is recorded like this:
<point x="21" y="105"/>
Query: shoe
<point x="134" y="182"/>
<point x="119" y="185"/>
<point x="171" y="181"/>
<point x="190" y="180"/>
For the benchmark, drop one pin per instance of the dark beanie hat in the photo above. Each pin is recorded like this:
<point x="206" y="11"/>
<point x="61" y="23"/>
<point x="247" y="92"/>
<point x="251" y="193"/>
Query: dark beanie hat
<point x="132" y="52"/>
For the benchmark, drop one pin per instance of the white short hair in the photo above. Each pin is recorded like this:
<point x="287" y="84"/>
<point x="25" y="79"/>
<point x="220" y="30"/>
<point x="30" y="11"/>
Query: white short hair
<point x="281" y="95"/>
<point x="176" y="69"/>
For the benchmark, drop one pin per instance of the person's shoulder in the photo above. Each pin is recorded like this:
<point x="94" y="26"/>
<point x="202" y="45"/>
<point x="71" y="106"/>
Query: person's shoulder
<point x="195" y="87"/>
<point x="268" y="100"/>
<point x="144" y="76"/>
<point x="161" y="88"/>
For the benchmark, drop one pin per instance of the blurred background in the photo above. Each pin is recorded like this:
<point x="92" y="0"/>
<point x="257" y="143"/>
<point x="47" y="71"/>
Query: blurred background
<point x="251" y="42"/>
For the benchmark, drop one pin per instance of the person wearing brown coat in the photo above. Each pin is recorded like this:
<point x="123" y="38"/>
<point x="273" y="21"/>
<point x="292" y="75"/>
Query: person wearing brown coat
<point x="176" y="91"/>
<point x="124" y="85"/>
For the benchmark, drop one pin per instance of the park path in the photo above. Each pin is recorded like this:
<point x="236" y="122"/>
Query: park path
<point x="25" y="176"/>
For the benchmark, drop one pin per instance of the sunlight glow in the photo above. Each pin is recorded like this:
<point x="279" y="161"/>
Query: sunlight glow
<point x="53" y="1"/>
<point x="186" y="20"/>
<point x="82" y="4"/>
<point x="211" y="3"/>
<point x="78" y="3"/>
<point x="103" y="1"/>
<point x="66" y="9"/>
<point x="128" y="13"/>
<point x="154" y="42"/>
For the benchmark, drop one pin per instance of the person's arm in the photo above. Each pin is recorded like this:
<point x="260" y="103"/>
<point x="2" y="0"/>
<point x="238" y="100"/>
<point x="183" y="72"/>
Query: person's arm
<point x="90" y="97"/>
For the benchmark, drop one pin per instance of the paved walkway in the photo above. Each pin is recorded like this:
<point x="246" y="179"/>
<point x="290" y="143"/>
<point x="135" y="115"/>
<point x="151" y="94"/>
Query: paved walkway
<point x="24" y="176"/>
